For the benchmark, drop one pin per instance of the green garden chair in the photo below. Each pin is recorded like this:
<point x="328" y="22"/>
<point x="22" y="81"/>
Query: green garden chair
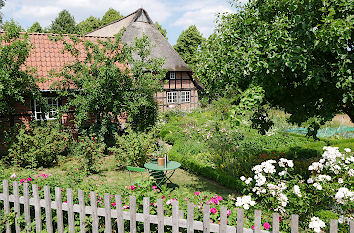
<point x="135" y="169"/>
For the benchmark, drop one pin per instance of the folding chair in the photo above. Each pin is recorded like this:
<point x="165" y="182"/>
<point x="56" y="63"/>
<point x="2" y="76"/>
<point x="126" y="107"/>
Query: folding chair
<point x="135" y="169"/>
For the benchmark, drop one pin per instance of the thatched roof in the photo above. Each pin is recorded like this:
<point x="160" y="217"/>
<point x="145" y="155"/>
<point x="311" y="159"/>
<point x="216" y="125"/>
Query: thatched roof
<point x="137" y="24"/>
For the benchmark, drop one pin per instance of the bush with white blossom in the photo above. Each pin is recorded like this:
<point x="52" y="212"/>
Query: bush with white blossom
<point x="330" y="187"/>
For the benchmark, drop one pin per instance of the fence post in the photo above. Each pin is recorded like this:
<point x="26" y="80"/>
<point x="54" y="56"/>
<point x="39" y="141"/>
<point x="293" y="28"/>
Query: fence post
<point x="275" y="224"/>
<point x="257" y="221"/>
<point x="107" y="217"/>
<point x="190" y="217"/>
<point x="17" y="206"/>
<point x="206" y="218"/>
<point x="223" y="219"/>
<point x="240" y="220"/>
<point x="59" y="205"/>
<point x="146" y="210"/>
<point x="37" y="208"/>
<point x="48" y="209"/>
<point x="82" y="210"/>
<point x="70" y="202"/>
<point x="160" y="218"/>
<point x="94" y="212"/>
<point x="351" y="226"/>
<point x="120" y="221"/>
<point x="26" y="206"/>
<point x="132" y="201"/>
<point x="294" y="223"/>
<point x="333" y="226"/>
<point x="5" y="185"/>
<point x="175" y="217"/>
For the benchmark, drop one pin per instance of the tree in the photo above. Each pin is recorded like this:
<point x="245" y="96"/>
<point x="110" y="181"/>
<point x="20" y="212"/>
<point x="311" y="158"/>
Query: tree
<point x="188" y="44"/>
<point x="110" y="16"/>
<point x="11" y="25"/>
<point x="2" y="4"/>
<point x="88" y="25"/>
<point x="162" y="31"/>
<point x="17" y="83"/>
<point x="36" y="27"/>
<point x="108" y="88"/>
<point x="300" y="54"/>
<point x="64" y="23"/>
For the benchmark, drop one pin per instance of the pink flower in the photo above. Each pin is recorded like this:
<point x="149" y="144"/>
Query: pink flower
<point x="44" y="176"/>
<point x="132" y="187"/>
<point x="163" y="197"/>
<point x="126" y="207"/>
<point x="266" y="226"/>
<point x="114" y="204"/>
<point x="197" y="193"/>
<point x="213" y="210"/>
<point x="280" y="219"/>
<point x="29" y="179"/>
<point x="22" y="180"/>
<point x="153" y="204"/>
<point x="252" y="227"/>
<point x="186" y="199"/>
<point x="219" y="198"/>
<point x="228" y="212"/>
<point x="154" y="187"/>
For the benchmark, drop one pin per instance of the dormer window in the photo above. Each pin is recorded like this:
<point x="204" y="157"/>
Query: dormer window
<point x="172" y="75"/>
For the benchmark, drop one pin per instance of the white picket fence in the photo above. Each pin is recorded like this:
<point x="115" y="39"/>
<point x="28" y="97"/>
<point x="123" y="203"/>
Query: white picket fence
<point x="177" y="220"/>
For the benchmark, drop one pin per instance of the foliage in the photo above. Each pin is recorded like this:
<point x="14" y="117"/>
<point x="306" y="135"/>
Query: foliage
<point x="88" y="25"/>
<point x="17" y="83"/>
<point x="36" y="27"/>
<point x="2" y="3"/>
<point x="134" y="148"/>
<point x="11" y="25"/>
<point x="64" y="23"/>
<point x="110" y="16"/>
<point x="108" y="89"/>
<point x="162" y="31"/>
<point x="38" y="146"/>
<point x="188" y="44"/>
<point x="89" y="150"/>
<point x="300" y="54"/>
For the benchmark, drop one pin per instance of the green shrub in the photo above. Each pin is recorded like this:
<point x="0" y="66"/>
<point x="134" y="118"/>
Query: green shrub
<point x="38" y="146"/>
<point x="89" y="150"/>
<point x="133" y="148"/>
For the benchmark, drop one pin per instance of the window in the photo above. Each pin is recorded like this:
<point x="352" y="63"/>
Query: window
<point x="172" y="97"/>
<point x="52" y="111"/>
<point x="172" y="75"/>
<point x="185" y="96"/>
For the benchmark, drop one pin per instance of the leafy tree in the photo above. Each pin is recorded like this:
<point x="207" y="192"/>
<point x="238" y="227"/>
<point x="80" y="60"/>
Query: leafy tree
<point x="188" y="44"/>
<point x="108" y="88"/>
<point x="2" y="4"/>
<point x="110" y="16"/>
<point x="17" y="83"/>
<point x="162" y="31"/>
<point x="88" y="25"/>
<point x="300" y="53"/>
<point x="11" y="25"/>
<point x="36" y="27"/>
<point x="64" y="23"/>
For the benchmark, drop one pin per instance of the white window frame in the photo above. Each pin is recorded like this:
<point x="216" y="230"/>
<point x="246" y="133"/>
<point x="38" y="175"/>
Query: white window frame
<point x="185" y="96"/>
<point x="172" y="97"/>
<point x="53" y="103"/>
<point x="172" y="75"/>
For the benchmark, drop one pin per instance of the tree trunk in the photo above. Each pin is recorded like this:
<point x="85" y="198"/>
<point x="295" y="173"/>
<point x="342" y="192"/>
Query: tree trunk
<point x="350" y="112"/>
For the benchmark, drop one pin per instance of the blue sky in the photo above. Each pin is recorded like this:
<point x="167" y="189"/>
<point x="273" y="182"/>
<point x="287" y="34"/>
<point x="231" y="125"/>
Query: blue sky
<point x="174" y="16"/>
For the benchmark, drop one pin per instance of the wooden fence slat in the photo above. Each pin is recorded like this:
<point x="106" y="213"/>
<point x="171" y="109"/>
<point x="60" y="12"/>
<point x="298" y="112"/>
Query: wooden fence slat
<point x="59" y="207"/>
<point x="132" y="201"/>
<point x="17" y="206"/>
<point x="120" y="221"/>
<point x="190" y="217"/>
<point x="107" y="217"/>
<point x="70" y="203"/>
<point x="275" y="224"/>
<point x="146" y="211"/>
<point x="81" y="197"/>
<point x="351" y="226"/>
<point x="26" y="206"/>
<point x="206" y="218"/>
<point x="240" y="220"/>
<point x="333" y="226"/>
<point x="48" y="209"/>
<point x="294" y="223"/>
<point x="160" y="217"/>
<point x="5" y="185"/>
<point x="93" y="198"/>
<point x="257" y="221"/>
<point x="37" y="208"/>
<point x="223" y="219"/>
<point x="175" y="217"/>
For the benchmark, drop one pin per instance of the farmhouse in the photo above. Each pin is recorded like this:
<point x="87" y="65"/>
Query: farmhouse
<point x="180" y="89"/>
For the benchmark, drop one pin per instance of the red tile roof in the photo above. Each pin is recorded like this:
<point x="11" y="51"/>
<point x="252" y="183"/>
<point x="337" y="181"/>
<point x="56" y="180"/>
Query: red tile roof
<point x="48" y="55"/>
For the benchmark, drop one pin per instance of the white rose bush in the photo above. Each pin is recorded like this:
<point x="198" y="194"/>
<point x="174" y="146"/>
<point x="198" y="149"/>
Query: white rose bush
<point x="275" y="188"/>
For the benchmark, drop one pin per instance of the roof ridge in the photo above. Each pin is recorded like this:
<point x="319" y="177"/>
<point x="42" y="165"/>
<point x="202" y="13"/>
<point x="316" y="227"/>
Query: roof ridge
<point x="57" y="34"/>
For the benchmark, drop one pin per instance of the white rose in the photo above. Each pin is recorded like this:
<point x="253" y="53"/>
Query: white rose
<point x="242" y="178"/>
<point x="347" y="150"/>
